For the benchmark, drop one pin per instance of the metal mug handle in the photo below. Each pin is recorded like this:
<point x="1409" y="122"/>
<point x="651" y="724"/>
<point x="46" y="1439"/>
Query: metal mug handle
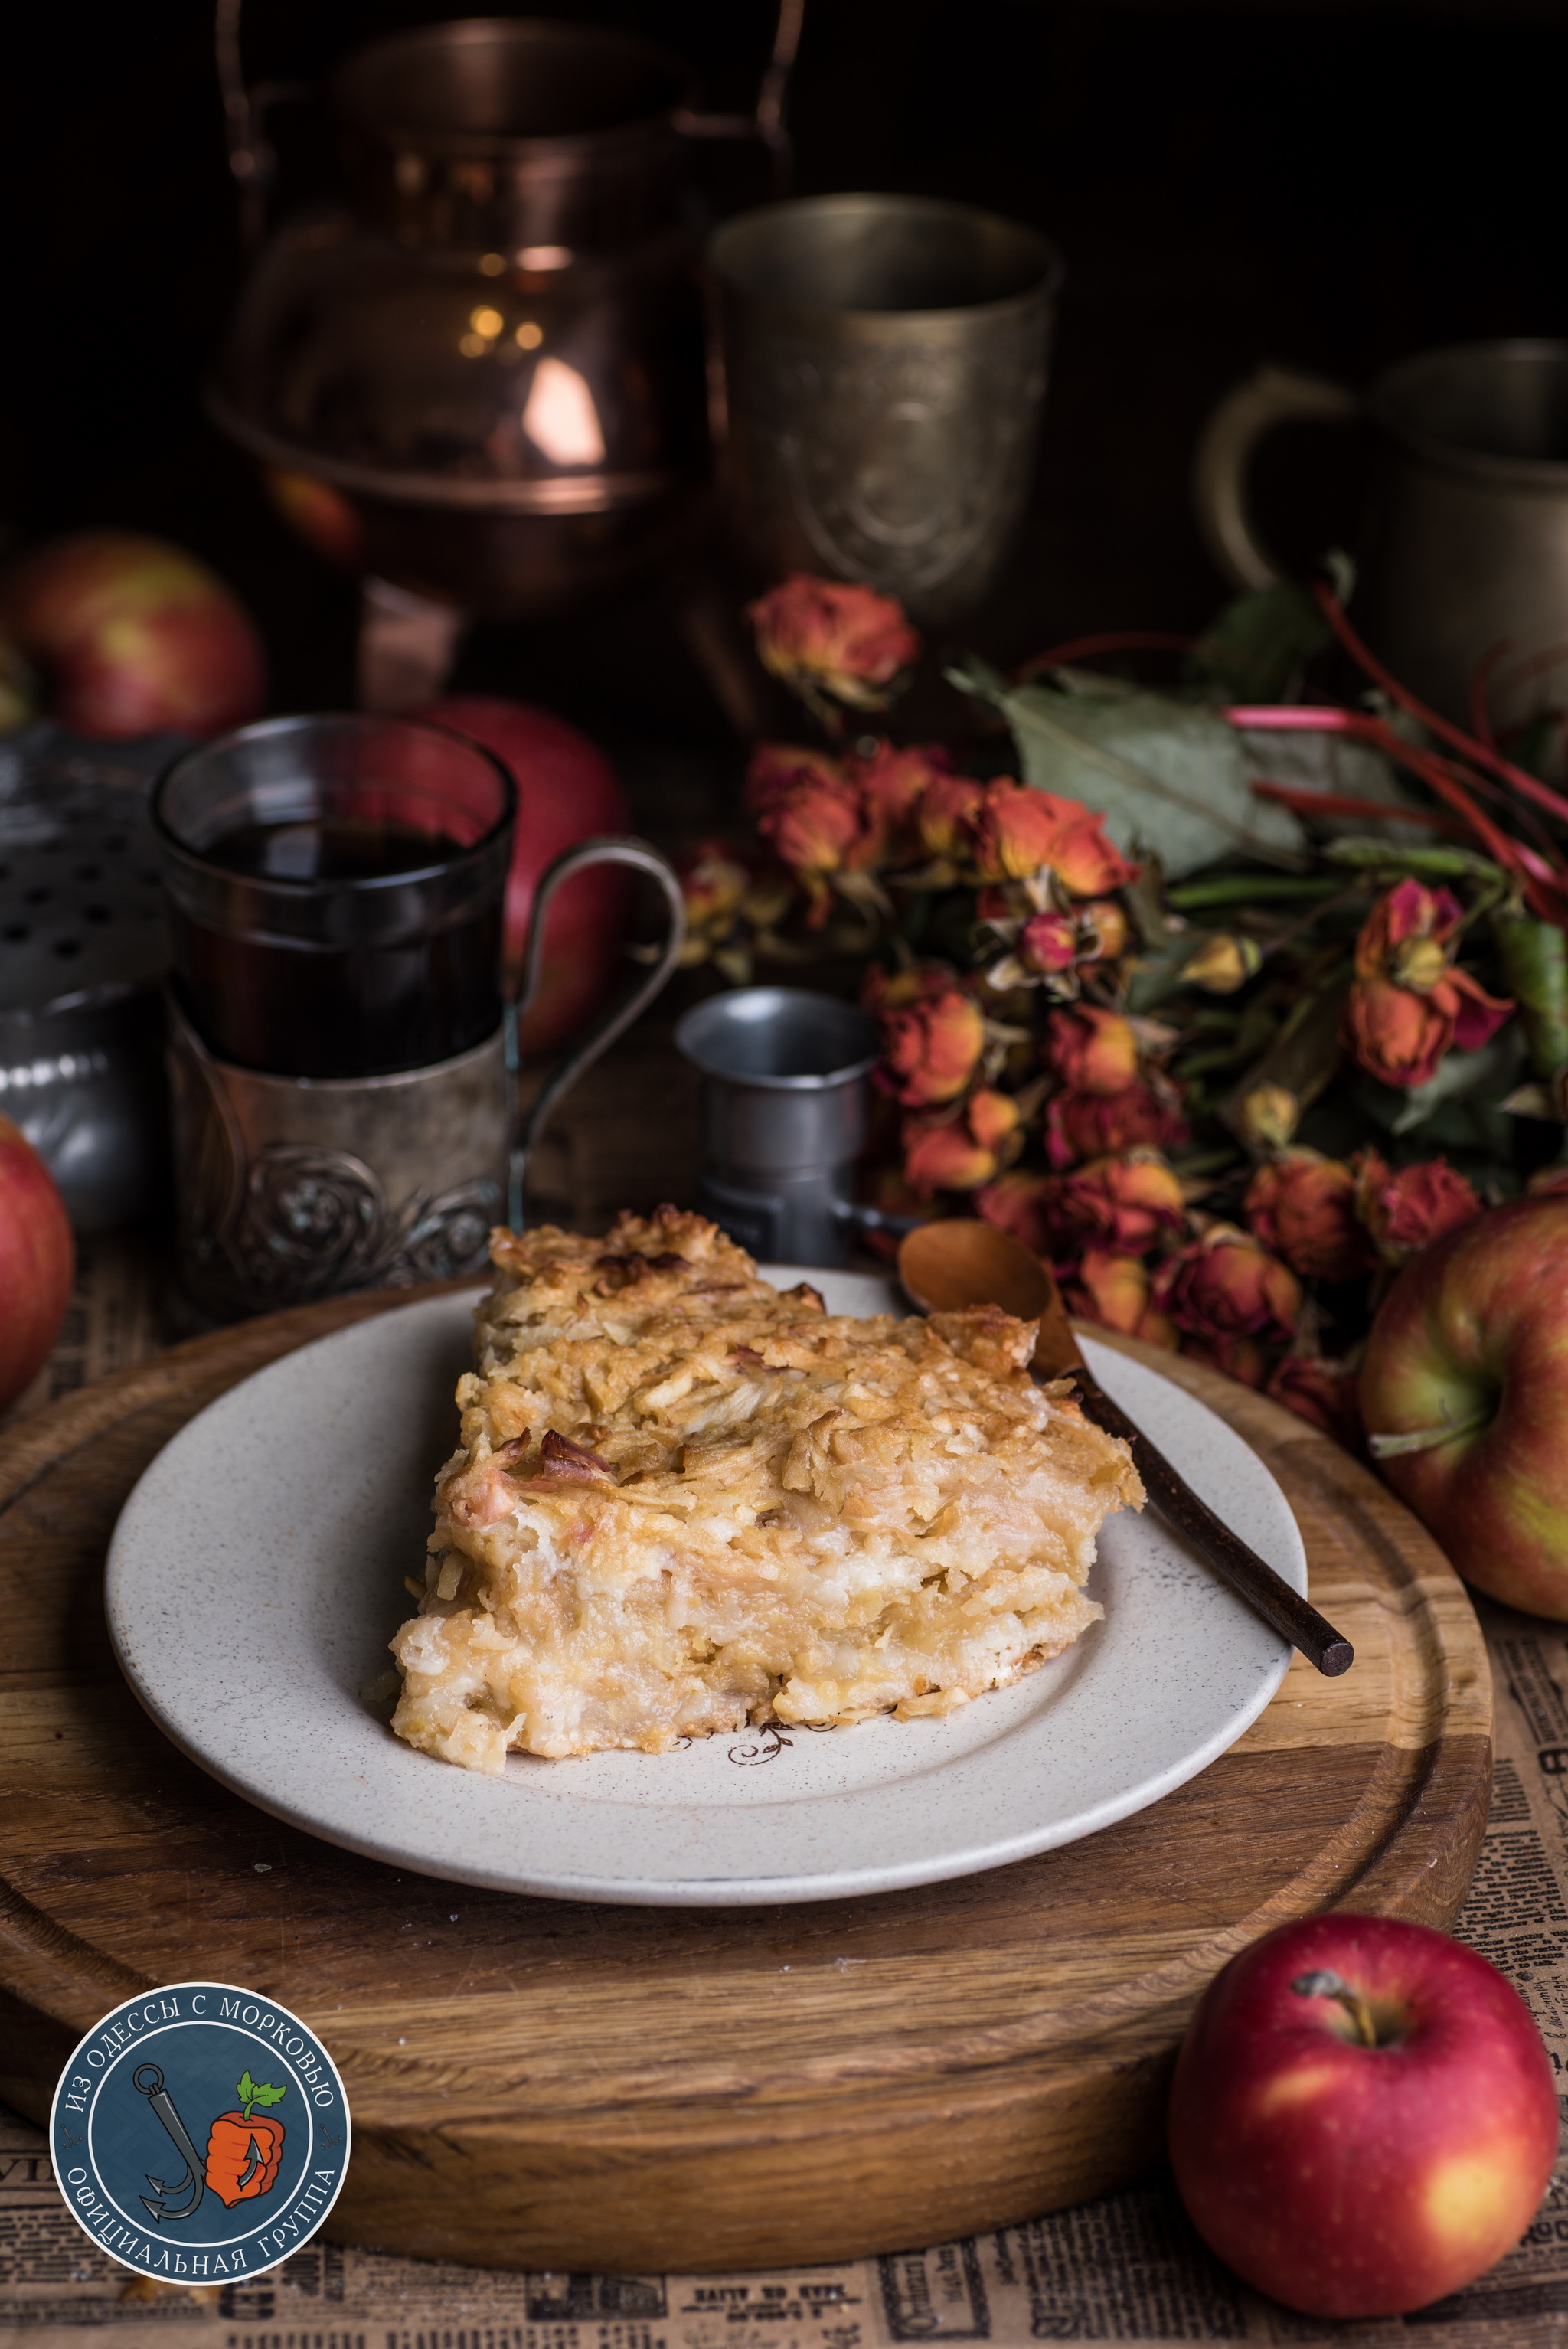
<point x="1249" y="410"/>
<point x="608" y="849"/>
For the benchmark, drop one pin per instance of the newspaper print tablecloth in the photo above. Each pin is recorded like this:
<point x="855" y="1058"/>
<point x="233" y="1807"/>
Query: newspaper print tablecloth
<point x="1128" y="2269"/>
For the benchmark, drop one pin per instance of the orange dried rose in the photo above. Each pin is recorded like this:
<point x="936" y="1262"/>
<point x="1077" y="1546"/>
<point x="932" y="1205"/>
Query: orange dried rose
<point x="826" y="636"/>
<point x="1080" y="1125"/>
<point x="816" y="829"/>
<point x="959" y="1153"/>
<point x="892" y="783"/>
<point x="946" y="810"/>
<point x="1323" y="1393"/>
<point x="1405" y="1211"/>
<point x="1019" y="833"/>
<point x="931" y="1047"/>
<point x="1302" y="1206"/>
<point x="1022" y="1205"/>
<point x="776" y="768"/>
<point x="1091" y="1051"/>
<point x="1223" y="1286"/>
<point x="1409" y="1002"/>
<point x="1116" y="1291"/>
<point x="1128" y="1203"/>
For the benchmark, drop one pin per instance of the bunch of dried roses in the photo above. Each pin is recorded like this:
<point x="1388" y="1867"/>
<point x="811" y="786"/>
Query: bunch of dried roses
<point x="1224" y="1095"/>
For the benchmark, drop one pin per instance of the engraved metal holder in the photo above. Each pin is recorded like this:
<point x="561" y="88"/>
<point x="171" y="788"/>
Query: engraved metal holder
<point x="882" y="367"/>
<point x="784" y="1075"/>
<point x="293" y="1187"/>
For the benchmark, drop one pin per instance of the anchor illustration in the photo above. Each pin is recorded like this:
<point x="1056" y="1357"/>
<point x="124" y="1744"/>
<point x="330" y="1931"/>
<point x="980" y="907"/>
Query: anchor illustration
<point x="148" y="2081"/>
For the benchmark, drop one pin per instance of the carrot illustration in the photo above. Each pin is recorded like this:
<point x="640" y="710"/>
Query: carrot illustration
<point x="243" y="2152"/>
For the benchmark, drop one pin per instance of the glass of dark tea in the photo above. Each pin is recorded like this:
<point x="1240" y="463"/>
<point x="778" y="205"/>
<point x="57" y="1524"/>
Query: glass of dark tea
<point x="335" y="888"/>
<point x="343" y="1064"/>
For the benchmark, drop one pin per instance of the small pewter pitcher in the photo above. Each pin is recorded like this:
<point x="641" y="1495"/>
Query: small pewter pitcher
<point x="1464" y="545"/>
<point x="784" y="1075"/>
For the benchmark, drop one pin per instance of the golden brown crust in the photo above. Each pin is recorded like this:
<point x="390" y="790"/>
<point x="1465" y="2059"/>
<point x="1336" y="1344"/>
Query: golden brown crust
<point x="683" y="1501"/>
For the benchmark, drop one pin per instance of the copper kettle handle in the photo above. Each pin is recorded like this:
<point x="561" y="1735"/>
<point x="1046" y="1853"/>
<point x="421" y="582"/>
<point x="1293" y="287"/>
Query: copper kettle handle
<point x="609" y="848"/>
<point x="251" y="156"/>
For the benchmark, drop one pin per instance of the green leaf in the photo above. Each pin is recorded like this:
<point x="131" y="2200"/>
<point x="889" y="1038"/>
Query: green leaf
<point x="266" y="2095"/>
<point x="1168" y="776"/>
<point x="246" y="2090"/>
<point x="1260" y="645"/>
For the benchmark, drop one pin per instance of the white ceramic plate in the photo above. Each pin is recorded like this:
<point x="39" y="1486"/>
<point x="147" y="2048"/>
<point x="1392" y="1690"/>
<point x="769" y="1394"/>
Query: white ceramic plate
<point x="257" y="1574"/>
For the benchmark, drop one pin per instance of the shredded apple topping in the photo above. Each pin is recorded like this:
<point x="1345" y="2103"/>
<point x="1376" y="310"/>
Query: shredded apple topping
<point x="683" y="1502"/>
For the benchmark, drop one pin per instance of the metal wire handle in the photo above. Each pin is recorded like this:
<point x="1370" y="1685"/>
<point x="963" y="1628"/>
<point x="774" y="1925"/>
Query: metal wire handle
<point x="609" y="849"/>
<point x="252" y="158"/>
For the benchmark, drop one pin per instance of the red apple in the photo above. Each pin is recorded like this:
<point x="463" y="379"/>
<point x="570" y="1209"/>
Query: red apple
<point x="1363" y="2117"/>
<point x="1474" y="1336"/>
<point x="133" y="635"/>
<point x="37" y="1262"/>
<point x="566" y="792"/>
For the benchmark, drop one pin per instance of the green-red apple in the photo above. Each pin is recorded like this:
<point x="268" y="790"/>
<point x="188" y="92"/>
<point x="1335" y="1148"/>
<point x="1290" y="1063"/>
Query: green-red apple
<point x="1473" y="1338"/>
<point x="133" y="635"/>
<point x="37" y="1262"/>
<point x="1363" y="2118"/>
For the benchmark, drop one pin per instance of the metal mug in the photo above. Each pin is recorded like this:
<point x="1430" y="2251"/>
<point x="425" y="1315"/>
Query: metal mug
<point x="343" y="1063"/>
<point x="784" y="1075"/>
<point x="1464" y="545"/>
<point x="880" y="366"/>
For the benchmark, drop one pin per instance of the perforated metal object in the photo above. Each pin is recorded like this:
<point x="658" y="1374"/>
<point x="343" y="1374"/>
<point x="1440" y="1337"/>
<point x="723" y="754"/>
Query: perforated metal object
<point x="83" y="948"/>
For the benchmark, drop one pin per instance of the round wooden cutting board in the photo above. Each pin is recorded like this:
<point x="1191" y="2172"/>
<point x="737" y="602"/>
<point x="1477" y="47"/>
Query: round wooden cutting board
<point x="544" y="2084"/>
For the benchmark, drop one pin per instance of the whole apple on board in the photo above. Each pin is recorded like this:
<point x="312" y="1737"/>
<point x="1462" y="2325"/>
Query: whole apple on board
<point x="566" y="792"/>
<point x="1464" y="1394"/>
<point x="132" y="637"/>
<point x="1363" y="2117"/>
<point x="37" y="1262"/>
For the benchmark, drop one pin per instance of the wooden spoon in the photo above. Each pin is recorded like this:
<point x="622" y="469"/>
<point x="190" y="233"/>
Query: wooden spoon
<point x="949" y="1265"/>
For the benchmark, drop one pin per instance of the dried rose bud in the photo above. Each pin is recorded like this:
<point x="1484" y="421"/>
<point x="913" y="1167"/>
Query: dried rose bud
<point x="1405" y="1211"/>
<point x="1128" y="1203"/>
<point x="1022" y="1205"/>
<point x="1225" y="1286"/>
<point x="1049" y="943"/>
<point x="1268" y="1117"/>
<point x="1222" y="964"/>
<point x="1323" y="1393"/>
<point x="1302" y="1206"/>
<point x="1098" y="1125"/>
<point x="1402" y="916"/>
<point x="932" y="1047"/>
<point x="1114" y="1291"/>
<point x="1091" y="1051"/>
<point x="714" y="884"/>
<point x="821" y="635"/>
<point x="994" y="1118"/>
<point x="1111" y="928"/>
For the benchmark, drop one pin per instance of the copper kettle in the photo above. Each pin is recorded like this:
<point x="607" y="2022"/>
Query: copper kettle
<point x="483" y="379"/>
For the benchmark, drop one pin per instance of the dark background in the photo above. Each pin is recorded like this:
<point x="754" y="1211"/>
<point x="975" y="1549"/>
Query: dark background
<point x="1329" y="187"/>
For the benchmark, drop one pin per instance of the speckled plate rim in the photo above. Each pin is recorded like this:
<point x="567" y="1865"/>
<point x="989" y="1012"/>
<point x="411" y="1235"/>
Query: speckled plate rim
<point x="256" y="1572"/>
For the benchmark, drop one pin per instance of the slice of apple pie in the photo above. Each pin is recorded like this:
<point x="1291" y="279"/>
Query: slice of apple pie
<point x="685" y="1502"/>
